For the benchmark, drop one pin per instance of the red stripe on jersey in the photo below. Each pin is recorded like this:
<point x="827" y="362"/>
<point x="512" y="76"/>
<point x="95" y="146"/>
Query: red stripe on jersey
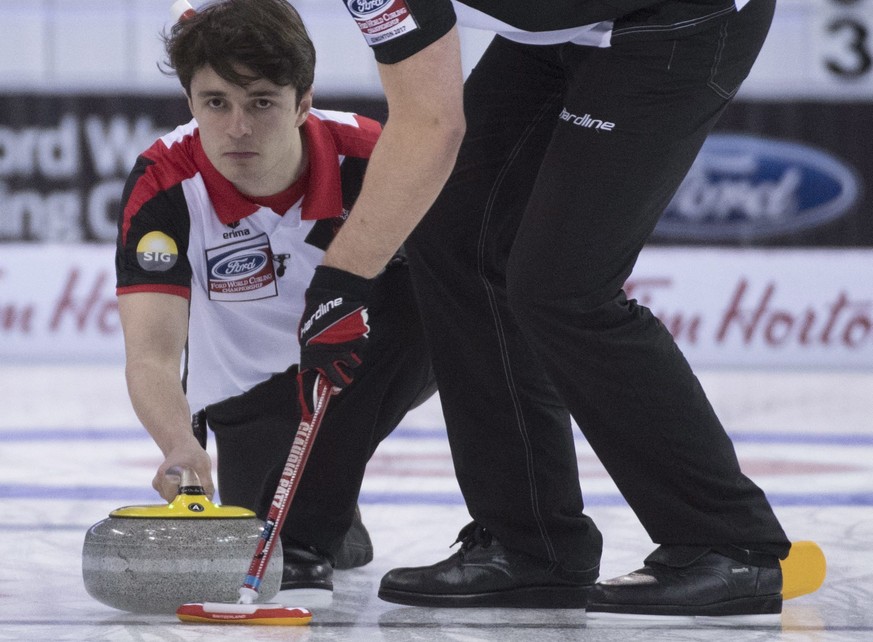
<point x="327" y="139"/>
<point x="355" y="141"/>
<point x="170" y="166"/>
<point x="178" y="290"/>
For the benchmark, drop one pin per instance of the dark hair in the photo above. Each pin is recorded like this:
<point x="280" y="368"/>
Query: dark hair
<point x="267" y="37"/>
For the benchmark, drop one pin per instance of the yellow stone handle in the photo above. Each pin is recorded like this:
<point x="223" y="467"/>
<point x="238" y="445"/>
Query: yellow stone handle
<point x="189" y="503"/>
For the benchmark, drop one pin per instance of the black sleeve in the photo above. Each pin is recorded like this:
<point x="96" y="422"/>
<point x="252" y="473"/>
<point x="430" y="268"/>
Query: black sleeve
<point x="397" y="29"/>
<point x="153" y="234"/>
<point x="352" y="179"/>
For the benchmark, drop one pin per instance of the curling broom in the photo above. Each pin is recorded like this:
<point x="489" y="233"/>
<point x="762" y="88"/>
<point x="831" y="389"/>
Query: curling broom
<point x="245" y="611"/>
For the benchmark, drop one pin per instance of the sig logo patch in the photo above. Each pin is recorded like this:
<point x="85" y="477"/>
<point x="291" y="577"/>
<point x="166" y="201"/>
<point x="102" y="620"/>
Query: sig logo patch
<point x="156" y="252"/>
<point x="382" y="20"/>
<point x="743" y="188"/>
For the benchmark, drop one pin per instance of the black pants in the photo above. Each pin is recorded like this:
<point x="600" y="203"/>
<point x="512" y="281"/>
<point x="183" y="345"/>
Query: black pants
<point x="254" y="431"/>
<point x="571" y="154"/>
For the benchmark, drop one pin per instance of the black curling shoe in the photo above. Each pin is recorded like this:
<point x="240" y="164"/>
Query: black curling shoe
<point x="305" y="568"/>
<point x="307" y="577"/>
<point x="690" y="583"/>
<point x="483" y="573"/>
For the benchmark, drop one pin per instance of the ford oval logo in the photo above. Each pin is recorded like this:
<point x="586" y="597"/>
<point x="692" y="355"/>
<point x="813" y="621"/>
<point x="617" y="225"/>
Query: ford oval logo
<point x="747" y="187"/>
<point x="237" y="266"/>
<point x="366" y="8"/>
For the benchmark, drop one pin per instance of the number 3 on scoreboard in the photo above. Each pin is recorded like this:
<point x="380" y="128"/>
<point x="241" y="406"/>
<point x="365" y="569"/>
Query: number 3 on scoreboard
<point x="852" y="57"/>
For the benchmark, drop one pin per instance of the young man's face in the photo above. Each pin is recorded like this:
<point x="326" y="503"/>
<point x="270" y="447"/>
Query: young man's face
<point x="250" y="134"/>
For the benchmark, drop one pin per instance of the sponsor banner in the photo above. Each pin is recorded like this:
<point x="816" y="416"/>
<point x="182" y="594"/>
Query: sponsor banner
<point x="772" y="174"/>
<point x="751" y="188"/>
<point x="779" y="174"/>
<point x="762" y="308"/>
<point x="57" y="303"/>
<point x="64" y="160"/>
<point x="797" y="174"/>
<point x="726" y="307"/>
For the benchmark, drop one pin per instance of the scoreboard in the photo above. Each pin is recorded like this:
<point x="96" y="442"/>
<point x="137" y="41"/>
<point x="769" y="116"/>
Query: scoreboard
<point x="816" y="49"/>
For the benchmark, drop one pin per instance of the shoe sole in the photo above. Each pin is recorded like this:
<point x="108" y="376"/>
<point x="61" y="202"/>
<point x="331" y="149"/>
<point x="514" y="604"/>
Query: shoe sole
<point x="757" y="611"/>
<point x="521" y="598"/>
<point x="611" y="619"/>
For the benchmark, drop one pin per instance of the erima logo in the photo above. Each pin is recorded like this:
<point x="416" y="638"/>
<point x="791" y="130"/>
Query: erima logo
<point x="586" y="121"/>
<point x="236" y="234"/>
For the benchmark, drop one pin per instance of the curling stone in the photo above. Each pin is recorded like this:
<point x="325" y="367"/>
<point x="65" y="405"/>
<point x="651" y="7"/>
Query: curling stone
<point x="152" y="559"/>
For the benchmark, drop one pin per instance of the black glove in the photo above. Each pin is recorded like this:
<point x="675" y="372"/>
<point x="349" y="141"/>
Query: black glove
<point x="333" y="329"/>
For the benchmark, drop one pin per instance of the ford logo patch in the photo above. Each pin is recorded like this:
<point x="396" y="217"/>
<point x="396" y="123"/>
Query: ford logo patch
<point x="237" y="266"/>
<point x="366" y="8"/>
<point x="743" y="188"/>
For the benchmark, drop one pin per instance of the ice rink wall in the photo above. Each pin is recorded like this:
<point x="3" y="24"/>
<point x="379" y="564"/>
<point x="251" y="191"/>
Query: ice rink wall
<point x="763" y="259"/>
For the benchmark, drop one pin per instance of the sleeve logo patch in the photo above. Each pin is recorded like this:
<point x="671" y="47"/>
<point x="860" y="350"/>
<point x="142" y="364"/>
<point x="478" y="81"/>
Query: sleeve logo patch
<point x="382" y="20"/>
<point x="156" y="252"/>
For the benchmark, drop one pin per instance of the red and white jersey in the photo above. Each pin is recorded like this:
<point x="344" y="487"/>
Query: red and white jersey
<point x="243" y="263"/>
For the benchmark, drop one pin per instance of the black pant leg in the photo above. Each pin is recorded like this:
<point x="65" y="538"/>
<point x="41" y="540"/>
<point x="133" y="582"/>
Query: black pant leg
<point x="599" y="194"/>
<point x="510" y="434"/>
<point x="585" y="220"/>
